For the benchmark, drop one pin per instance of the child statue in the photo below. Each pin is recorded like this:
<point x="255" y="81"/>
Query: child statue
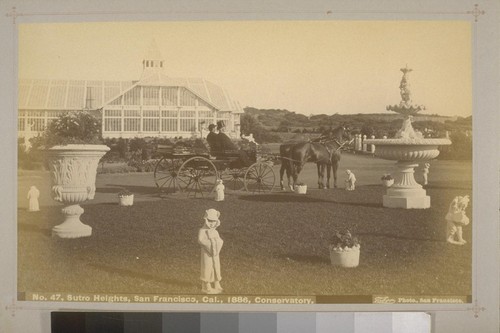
<point x="350" y="183"/>
<point x="456" y="219"/>
<point x="33" y="195"/>
<point x="211" y="244"/>
<point x="219" y="190"/>
<point x="425" y="172"/>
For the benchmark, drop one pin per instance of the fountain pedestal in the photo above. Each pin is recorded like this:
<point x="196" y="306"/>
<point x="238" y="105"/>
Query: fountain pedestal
<point x="406" y="192"/>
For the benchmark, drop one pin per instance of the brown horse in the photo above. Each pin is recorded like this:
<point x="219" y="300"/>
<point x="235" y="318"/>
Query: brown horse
<point x="324" y="151"/>
<point x="286" y="164"/>
<point x="339" y="139"/>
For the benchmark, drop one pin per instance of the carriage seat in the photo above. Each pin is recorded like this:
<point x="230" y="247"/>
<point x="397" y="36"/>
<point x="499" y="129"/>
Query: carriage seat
<point x="226" y="154"/>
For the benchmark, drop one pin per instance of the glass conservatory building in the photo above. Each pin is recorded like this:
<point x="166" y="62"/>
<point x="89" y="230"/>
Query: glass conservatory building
<point x="154" y="106"/>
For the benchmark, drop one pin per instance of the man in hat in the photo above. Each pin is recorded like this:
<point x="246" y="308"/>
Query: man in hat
<point x="211" y="244"/>
<point x="226" y="144"/>
<point x="224" y="141"/>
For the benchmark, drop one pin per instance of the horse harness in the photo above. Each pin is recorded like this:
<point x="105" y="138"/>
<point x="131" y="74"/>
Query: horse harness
<point x="339" y="144"/>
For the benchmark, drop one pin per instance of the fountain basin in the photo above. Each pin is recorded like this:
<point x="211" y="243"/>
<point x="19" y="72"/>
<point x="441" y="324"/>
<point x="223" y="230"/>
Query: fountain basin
<point x="407" y="149"/>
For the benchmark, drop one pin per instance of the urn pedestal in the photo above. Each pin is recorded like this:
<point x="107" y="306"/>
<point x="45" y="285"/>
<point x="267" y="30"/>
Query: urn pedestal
<point x="73" y="171"/>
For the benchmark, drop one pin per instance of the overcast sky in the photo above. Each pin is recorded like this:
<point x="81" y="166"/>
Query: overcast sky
<point x="309" y="67"/>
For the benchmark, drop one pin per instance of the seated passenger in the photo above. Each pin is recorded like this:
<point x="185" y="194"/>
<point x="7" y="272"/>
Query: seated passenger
<point x="212" y="139"/>
<point x="226" y="144"/>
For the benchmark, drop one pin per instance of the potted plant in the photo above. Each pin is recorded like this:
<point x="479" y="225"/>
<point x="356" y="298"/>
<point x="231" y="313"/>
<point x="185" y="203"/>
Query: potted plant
<point x="344" y="249"/>
<point x="300" y="188"/>
<point x="126" y="198"/>
<point x="387" y="180"/>
<point x="73" y="146"/>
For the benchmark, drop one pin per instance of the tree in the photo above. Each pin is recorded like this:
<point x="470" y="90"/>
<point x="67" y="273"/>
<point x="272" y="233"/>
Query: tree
<point x="284" y="126"/>
<point x="250" y="124"/>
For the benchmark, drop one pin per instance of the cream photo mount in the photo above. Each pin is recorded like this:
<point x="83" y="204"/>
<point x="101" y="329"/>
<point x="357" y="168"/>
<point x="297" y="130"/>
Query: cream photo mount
<point x="484" y="281"/>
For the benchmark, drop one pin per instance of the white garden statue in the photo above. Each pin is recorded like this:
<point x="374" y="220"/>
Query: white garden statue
<point x="219" y="190"/>
<point x="456" y="219"/>
<point x="33" y="195"/>
<point x="350" y="183"/>
<point x="425" y="172"/>
<point x="211" y="244"/>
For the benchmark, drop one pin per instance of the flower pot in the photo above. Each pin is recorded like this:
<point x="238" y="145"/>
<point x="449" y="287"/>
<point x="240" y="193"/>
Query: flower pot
<point x="387" y="182"/>
<point x="301" y="189"/>
<point x="345" y="257"/>
<point x="73" y="171"/>
<point x="126" y="200"/>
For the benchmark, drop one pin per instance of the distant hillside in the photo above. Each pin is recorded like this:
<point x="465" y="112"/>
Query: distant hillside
<point x="279" y="120"/>
<point x="273" y="118"/>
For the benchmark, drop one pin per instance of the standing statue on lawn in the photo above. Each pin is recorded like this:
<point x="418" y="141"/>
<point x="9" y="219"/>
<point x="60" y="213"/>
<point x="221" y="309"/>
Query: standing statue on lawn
<point x="350" y="183"/>
<point x="219" y="190"/>
<point x="33" y="195"/>
<point x="211" y="244"/>
<point x="456" y="219"/>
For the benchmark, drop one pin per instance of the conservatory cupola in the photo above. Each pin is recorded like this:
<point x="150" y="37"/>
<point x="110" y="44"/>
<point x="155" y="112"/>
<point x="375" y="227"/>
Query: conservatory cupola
<point x="153" y="61"/>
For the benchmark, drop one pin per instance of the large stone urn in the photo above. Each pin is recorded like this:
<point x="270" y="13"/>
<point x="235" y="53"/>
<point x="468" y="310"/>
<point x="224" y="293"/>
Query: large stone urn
<point x="409" y="148"/>
<point x="73" y="171"/>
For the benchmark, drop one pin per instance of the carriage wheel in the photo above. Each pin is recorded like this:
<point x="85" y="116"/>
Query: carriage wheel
<point x="234" y="179"/>
<point x="165" y="174"/>
<point x="197" y="177"/>
<point x="259" y="178"/>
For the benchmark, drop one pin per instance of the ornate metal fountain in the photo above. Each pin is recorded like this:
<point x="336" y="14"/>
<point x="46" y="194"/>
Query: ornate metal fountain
<point x="408" y="148"/>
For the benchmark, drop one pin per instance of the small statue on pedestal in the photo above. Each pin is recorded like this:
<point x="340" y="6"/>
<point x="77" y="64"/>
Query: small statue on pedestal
<point x="211" y="244"/>
<point x="219" y="190"/>
<point x="425" y="172"/>
<point x="33" y="195"/>
<point x="350" y="183"/>
<point x="456" y="219"/>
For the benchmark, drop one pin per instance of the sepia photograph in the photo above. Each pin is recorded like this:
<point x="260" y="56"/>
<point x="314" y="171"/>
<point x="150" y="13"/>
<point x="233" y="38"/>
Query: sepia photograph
<point x="314" y="162"/>
<point x="278" y="162"/>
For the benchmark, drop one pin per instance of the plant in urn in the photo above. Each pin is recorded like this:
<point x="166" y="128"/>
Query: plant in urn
<point x="73" y="150"/>
<point x="408" y="148"/>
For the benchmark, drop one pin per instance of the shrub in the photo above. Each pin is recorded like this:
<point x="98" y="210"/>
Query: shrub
<point x="460" y="148"/>
<point x="76" y="127"/>
<point x="343" y="240"/>
<point x="124" y="193"/>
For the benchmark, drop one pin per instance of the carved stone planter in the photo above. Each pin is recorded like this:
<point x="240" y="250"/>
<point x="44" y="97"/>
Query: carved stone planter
<point x="345" y="258"/>
<point x="126" y="200"/>
<point x="387" y="182"/>
<point x="73" y="171"/>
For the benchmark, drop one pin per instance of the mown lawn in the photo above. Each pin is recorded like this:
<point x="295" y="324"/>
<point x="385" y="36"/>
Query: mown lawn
<point x="275" y="243"/>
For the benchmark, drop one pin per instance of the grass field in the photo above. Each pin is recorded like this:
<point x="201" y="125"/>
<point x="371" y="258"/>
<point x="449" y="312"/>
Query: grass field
<point x="275" y="244"/>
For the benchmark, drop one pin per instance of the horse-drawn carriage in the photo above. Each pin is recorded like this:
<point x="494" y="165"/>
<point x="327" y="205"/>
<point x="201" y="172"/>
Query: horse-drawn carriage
<point x="194" y="171"/>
